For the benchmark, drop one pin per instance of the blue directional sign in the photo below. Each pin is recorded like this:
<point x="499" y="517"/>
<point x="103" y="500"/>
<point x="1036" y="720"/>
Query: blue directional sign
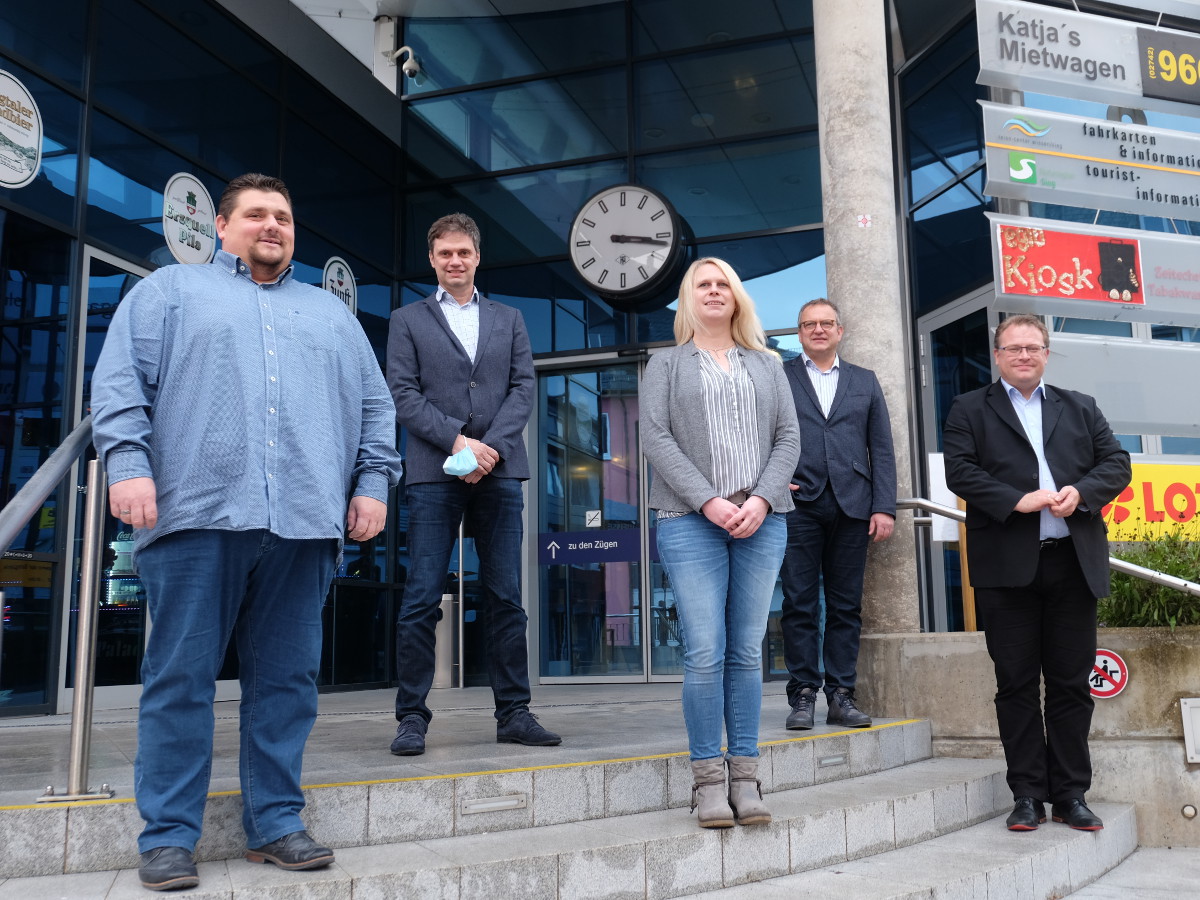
<point x="597" y="545"/>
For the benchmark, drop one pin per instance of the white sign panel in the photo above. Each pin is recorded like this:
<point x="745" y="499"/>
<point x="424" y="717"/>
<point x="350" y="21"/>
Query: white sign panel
<point x="1053" y="267"/>
<point x="1093" y="163"/>
<point x="20" y="133"/>
<point x="1031" y="47"/>
<point x="339" y="281"/>
<point x="189" y="219"/>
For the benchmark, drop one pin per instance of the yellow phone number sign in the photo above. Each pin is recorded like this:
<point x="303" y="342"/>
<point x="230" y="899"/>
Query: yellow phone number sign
<point x="1170" y="65"/>
<point x="1160" y="499"/>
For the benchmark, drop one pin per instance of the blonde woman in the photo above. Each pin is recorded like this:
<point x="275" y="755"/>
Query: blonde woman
<point x="719" y="428"/>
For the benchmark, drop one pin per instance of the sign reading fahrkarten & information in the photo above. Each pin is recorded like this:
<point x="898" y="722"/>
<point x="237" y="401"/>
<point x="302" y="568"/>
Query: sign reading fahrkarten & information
<point x="20" y="133"/>
<point x="1050" y="267"/>
<point x="1031" y="47"/>
<point x="1093" y="163"/>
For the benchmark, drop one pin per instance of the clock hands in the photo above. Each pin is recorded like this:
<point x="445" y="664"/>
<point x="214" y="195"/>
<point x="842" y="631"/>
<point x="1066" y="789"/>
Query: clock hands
<point x="637" y="239"/>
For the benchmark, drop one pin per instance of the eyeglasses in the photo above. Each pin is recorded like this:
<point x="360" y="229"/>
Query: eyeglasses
<point x="826" y="325"/>
<point x="1018" y="349"/>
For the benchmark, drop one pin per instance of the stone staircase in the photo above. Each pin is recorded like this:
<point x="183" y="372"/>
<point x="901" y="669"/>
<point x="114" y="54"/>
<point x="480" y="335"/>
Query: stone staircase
<point x="866" y="813"/>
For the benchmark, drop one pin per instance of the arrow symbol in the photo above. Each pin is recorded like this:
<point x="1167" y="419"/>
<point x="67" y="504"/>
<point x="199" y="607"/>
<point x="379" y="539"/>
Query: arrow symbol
<point x="553" y="548"/>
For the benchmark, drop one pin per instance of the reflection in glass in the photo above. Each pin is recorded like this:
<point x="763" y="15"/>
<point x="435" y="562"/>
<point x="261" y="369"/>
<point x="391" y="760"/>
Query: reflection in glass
<point x="676" y="24"/>
<point x="50" y="35"/>
<point x="591" y="619"/>
<point x="546" y="121"/>
<point x="723" y="94"/>
<point x="951" y="248"/>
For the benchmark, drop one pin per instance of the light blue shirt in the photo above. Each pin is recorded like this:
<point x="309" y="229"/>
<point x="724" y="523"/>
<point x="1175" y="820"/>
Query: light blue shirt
<point x="250" y="405"/>
<point x="463" y="318"/>
<point x="1030" y="413"/>
<point x="824" y="383"/>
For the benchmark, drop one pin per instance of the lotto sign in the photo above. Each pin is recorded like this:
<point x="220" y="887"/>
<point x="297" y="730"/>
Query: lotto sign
<point x="1160" y="500"/>
<point x="1109" y="675"/>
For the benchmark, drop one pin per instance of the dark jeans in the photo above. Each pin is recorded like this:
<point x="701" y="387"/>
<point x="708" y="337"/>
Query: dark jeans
<point x="1044" y="630"/>
<point x="822" y="542"/>
<point x="491" y="511"/>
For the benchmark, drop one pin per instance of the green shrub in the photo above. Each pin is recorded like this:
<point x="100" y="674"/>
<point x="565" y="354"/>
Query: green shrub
<point x="1134" y="602"/>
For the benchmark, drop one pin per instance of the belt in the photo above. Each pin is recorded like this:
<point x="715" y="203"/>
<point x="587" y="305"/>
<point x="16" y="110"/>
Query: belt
<point x="1054" y="543"/>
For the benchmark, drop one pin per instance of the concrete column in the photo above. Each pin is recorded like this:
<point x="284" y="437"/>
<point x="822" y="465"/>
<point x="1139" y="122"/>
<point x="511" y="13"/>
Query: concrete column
<point x="863" y="260"/>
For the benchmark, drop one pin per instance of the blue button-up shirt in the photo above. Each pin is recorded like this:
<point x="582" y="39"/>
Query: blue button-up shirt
<point x="1030" y="413"/>
<point x="250" y="405"/>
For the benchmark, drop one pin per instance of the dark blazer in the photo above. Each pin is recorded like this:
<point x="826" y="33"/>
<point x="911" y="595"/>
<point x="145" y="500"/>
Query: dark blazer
<point x="439" y="392"/>
<point x="852" y="448"/>
<point x="991" y="465"/>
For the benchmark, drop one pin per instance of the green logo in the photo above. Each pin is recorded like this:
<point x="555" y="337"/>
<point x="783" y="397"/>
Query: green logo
<point x="1022" y="167"/>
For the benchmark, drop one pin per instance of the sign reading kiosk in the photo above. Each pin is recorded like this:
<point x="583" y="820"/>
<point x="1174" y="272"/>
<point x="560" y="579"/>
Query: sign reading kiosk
<point x="1050" y="267"/>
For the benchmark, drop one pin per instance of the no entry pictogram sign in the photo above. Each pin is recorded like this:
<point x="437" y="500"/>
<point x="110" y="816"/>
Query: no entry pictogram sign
<point x="1109" y="675"/>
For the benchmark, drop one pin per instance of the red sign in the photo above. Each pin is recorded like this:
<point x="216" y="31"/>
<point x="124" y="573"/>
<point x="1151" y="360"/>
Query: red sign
<point x="1039" y="262"/>
<point x="1109" y="675"/>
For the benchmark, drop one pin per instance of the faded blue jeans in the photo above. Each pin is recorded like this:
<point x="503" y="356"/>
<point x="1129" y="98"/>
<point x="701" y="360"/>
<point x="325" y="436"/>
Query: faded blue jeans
<point x="202" y="586"/>
<point x="723" y="588"/>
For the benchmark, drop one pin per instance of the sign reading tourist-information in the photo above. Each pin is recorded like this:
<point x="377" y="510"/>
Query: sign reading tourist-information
<point x="1076" y="161"/>
<point x="1031" y="47"/>
<point x="1050" y="267"/>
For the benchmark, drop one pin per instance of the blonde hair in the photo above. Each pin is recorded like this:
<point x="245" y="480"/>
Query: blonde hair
<point x="745" y="326"/>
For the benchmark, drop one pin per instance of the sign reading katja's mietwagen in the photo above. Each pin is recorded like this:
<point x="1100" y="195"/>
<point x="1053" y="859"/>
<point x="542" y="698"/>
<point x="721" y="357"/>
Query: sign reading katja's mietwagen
<point x="20" y="133"/>
<point x="1050" y="267"/>
<point x="1093" y="163"/>
<point x="1031" y="47"/>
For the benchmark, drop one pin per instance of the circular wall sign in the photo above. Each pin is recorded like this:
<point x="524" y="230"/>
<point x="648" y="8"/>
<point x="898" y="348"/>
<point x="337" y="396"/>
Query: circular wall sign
<point x="189" y="219"/>
<point x="20" y="133"/>
<point x="339" y="281"/>
<point x="1109" y="675"/>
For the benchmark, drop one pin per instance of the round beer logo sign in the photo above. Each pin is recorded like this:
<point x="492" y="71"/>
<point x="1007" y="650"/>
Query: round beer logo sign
<point x="339" y="281"/>
<point x="189" y="219"/>
<point x="20" y="134"/>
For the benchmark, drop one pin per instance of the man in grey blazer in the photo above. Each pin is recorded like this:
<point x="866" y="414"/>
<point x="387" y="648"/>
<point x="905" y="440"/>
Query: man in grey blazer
<point x="461" y="372"/>
<point x="845" y="493"/>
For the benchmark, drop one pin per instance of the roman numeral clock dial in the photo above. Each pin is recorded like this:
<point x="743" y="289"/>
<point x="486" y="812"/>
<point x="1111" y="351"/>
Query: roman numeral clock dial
<point x="624" y="242"/>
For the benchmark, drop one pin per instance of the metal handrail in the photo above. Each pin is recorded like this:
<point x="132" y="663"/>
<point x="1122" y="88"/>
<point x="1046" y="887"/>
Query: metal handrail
<point x="29" y="499"/>
<point x="1117" y="565"/>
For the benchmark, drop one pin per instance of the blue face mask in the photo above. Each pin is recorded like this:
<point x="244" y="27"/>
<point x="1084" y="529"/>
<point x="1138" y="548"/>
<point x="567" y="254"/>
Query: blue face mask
<point x="461" y="463"/>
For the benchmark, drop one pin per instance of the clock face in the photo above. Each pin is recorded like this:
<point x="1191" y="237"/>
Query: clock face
<point x="625" y="240"/>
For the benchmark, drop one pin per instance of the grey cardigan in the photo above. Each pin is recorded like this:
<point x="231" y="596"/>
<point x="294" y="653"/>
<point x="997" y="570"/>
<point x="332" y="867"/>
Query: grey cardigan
<point x="675" y="430"/>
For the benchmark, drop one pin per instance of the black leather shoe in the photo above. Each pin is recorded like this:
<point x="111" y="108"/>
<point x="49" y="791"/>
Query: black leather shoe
<point x="168" y="869"/>
<point x="842" y="711"/>
<point x="1027" y="815"/>
<point x="410" y="736"/>
<point x="801" y="716"/>
<point x="1076" y="814"/>
<point x="293" y="851"/>
<point x="522" y="728"/>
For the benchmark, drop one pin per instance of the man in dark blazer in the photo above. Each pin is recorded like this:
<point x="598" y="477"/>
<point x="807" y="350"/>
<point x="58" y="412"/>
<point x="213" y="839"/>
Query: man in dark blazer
<point x="845" y="493"/>
<point x="1035" y="465"/>
<point x="461" y="372"/>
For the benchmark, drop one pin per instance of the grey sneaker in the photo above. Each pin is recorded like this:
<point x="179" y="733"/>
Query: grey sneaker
<point x="842" y="711"/>
<point x="801" y="716"/>
<point x="410" y="736"/>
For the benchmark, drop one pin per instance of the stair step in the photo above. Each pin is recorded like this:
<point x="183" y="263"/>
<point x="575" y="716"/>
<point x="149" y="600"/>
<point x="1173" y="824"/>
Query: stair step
<point x="654" y="854"/>
<point x="983" y="861"/>
<point x="99" y="836"/>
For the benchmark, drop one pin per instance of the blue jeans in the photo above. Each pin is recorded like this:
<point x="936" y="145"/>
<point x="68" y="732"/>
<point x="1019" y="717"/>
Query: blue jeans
<point x="491" y="512"/>
<point x="201" y="587"/>
<point x="723" y="588"/>
<point x="824" y="546"/>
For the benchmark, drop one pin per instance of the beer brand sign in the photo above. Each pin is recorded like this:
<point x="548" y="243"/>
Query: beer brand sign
<point x="20" y="133"/>
<point x="338" y="279"/>
<point x="189" y="219"/>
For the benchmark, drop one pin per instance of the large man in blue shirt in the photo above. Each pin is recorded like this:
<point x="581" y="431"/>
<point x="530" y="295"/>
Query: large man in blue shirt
<point x="246" y="427"/>
<point x="461" y="372"/>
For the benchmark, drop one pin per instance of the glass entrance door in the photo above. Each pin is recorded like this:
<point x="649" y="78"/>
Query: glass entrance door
<point x="955" y="347"/>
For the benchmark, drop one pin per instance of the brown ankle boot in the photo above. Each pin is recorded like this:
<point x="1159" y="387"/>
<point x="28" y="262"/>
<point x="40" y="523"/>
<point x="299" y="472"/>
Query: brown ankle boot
<point x="745" y="791"/>
<point x="708" y="793"/>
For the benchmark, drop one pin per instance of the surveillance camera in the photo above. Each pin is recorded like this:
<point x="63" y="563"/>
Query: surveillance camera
<point x="411" y="68"/>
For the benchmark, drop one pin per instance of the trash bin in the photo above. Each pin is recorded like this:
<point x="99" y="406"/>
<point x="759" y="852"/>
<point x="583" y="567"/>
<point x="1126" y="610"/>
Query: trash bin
<point x="445" y="648"/>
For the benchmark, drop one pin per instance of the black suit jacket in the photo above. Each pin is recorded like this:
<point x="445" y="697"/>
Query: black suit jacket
<point x="852" y="447"/>
<point x="990" y="464"/>
<point x="440" y="393"/>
